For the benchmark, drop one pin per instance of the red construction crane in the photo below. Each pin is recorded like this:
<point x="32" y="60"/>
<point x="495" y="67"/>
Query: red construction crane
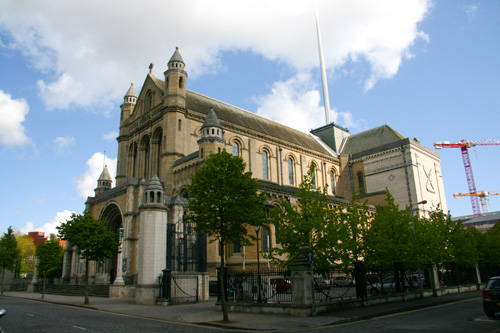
<point x="464" y="145"/>
<point x="483" y="197"/>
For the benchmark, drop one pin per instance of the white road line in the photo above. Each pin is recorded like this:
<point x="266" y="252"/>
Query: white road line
<point x="80" y="328"/>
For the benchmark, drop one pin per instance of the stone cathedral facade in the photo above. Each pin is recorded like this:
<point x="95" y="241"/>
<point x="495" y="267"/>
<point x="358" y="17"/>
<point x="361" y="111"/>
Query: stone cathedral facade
<point x="165" y="133"/>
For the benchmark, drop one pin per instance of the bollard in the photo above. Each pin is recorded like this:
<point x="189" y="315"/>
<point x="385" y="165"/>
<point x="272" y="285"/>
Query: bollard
<point x="167" y="283"/>
<point x="360" y="277"/>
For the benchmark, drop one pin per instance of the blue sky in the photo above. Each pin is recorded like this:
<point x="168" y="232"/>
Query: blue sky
<point x="429" y="70"/>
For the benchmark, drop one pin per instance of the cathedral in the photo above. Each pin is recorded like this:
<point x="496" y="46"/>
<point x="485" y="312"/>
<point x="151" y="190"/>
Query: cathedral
<point x="166" y="131"/>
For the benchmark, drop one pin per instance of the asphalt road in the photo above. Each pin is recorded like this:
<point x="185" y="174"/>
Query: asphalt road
<point x="462" y="316"/>
<point x="32" y="316"/>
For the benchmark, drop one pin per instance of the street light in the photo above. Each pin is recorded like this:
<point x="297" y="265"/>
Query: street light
<point x="423" y="202"/>
<point x="259" y="297"/>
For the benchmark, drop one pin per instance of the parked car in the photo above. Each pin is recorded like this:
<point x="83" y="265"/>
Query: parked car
<point x="282" y="285"/>
<point x="343" y="281"/>
<point x="388" y="285"/>
<point x="321" y="284"/>
<point x="491" y="297"/>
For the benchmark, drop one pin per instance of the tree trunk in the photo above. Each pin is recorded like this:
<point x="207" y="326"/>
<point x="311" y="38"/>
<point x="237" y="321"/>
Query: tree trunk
<point x="222" y="286"/>
<point x="87" y="281"/>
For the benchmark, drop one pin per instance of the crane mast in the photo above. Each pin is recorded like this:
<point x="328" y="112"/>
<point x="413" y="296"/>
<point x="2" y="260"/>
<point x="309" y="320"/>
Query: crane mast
<point x="464" y="145"/>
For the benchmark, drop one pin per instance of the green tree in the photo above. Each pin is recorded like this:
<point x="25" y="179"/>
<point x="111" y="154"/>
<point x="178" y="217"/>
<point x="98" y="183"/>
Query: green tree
<point x="224" y="201"/>
<point x="309" y="224"/>
<point x="50" y="257"/>
<point x="353" y="222"/>
<point x="9" y="253"/>
<point x="390" y="237"/>
<point x="26" y="261"/>
<point x="92" y="239"/>
<point x="491" y="248"/>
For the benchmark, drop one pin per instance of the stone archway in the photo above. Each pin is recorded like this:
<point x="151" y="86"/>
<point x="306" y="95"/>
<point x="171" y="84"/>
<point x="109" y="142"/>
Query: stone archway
<point x="114" y="218"/>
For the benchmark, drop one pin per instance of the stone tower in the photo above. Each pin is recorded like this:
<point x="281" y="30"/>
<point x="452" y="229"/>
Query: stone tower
<point x="152" y="241"/>
<point x="212" y="136"/>
<point x="104" y="182"/>
<point x="127" y="108"/>
<point x="174" y="120"/>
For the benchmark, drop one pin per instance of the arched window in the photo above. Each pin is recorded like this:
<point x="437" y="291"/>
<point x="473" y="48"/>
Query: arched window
<point x="332" y="181"/>
<point x="361" y="183"/>
<point x="290" y="171"/>
<point x="265" y="239"/>
<point x="179" y="125"/>
<point x="149" y="101"/>
<point x="236" y="149"/>
<point x="313" y="176"/>
<point x="265" y="165"/>
<point x="236" y="247"/>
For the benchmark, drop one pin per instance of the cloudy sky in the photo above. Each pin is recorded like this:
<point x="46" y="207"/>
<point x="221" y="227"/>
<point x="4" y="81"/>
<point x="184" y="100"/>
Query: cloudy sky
<point x="429" y="70"/>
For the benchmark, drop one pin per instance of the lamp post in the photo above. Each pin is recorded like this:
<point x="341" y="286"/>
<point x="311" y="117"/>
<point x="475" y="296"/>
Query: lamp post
<point x="259" y="296"/>
<point x="423" y="202"/>
<point x="119" y="265"/>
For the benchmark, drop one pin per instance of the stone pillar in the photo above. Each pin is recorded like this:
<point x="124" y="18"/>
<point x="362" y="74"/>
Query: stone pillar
<point x="302" y="288"/>
<point x="31" y="286"/>
<point x="434" y="279"/>
<point x="478" y="277"/>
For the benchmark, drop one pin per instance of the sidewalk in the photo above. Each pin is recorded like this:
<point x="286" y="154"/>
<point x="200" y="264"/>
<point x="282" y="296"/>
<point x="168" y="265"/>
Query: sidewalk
<point x="204" y="312"/>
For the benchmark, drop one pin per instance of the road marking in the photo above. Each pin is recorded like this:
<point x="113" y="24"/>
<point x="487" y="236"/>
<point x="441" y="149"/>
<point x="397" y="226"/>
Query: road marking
<point x="29" y="314"/>
<point x="80" y="328"/>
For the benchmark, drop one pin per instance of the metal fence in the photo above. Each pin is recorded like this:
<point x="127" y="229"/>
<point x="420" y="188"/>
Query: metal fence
<point x="333" y="285"/>
<point x="178" y="288"/>
<point x="270" y="286"/>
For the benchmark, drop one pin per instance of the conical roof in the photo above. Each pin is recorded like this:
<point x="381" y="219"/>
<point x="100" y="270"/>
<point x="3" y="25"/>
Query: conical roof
<point x="131" y="91"/>
<point x="105" y="176"/>
<point x="211" y="120"/>
<point x="154" y="184"/>
<point x="176" y="57"/>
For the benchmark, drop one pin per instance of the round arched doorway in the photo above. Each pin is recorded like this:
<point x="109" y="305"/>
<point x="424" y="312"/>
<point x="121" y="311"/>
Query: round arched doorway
<point x="113" y="216"/>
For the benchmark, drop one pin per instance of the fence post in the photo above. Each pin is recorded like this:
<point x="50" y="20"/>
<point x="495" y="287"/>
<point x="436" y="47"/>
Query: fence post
<point x="167" y="283"/>
<point x="433" y="278"/>
<point x="398" y="276"/>
<point x="301" y="277"/>
<point x="360" y="278"/>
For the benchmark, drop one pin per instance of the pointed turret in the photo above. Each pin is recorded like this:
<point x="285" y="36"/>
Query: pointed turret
<point x="212" y="135"/>
<point x="175" y="81"/>
<point x="128" y="105"/>
<point x="104" y="182"/>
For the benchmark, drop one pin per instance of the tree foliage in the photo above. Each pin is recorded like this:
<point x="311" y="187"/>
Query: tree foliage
<point x="307" y="225"/>
<point x="50" y="257"/>
<point x="353" y="221"/>
<point x="390" y="237"/>
<point x="224" y="201"/>
<point x="26" y="261"/>
<point x="91" y="237"/>
<point x="9" y="252"/>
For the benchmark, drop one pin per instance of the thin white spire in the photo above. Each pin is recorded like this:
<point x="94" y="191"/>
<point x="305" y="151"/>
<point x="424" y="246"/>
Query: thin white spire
<point x="326" y="98"/>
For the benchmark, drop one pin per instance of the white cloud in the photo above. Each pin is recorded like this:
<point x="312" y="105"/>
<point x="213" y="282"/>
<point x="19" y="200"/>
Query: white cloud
<point x="63" y="142"/>
<point x="111" y="136"/>
<point x="12" y="115"/>
<point x="49" y="227"/>
<point x="302" y="104"/>
<point x="88" y="47"/>
<point x="87" y="182"/>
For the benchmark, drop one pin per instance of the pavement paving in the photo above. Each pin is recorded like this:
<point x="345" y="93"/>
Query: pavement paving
<point x="204" y="313"/>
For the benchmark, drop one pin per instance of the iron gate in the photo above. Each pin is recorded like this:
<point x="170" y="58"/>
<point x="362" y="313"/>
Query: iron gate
<point x="186" y="250"/>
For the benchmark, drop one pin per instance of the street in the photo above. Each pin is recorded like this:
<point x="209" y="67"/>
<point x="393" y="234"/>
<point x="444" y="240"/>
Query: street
<point x="33" y="316"/>
<point x="24" y="315"/>
<point x="463" y="316"/>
